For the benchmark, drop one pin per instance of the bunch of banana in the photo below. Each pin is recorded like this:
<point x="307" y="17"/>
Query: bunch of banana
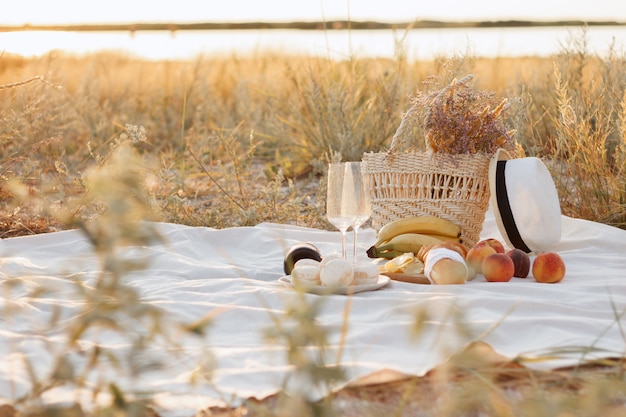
<point x="410" y="234"/>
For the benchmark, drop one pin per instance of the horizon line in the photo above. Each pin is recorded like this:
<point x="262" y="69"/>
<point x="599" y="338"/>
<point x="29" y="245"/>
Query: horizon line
<point x="305" y="25"/>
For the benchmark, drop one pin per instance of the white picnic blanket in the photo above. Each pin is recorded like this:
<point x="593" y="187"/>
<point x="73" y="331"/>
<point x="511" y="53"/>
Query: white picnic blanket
<point x="230" y="276"/>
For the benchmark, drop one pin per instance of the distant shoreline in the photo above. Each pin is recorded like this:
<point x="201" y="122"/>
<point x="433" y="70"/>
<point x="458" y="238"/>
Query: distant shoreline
<point x="313" y="25"/>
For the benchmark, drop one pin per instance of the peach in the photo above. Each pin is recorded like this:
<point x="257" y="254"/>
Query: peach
<point x="548" y="267"/>
<point x="521" y="260"/>
<point x="476" y="255"/>
<point x="498" y="267"/>
<point x="494" y="243"/>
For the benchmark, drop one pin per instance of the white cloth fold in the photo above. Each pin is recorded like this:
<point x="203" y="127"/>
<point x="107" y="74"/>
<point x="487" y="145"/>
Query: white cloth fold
<point x="230" y="277"/>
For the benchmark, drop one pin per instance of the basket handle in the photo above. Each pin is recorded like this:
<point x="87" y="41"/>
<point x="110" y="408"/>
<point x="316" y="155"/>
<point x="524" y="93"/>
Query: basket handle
<point x="398" y="137"/>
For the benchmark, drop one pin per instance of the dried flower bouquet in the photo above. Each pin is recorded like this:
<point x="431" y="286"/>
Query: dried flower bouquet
<point x="458" y="119"/>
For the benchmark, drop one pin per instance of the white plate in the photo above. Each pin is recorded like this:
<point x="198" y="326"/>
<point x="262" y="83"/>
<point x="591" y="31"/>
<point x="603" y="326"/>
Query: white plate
<point x="351" y="289"/>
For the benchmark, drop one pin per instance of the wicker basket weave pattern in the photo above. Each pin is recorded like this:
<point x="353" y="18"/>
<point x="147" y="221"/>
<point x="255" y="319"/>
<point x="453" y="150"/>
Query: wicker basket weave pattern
<point x="453" y="187"/>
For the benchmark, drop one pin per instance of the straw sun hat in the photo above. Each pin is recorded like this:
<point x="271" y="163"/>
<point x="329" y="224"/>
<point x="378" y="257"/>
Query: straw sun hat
<point x="525" y="202"/>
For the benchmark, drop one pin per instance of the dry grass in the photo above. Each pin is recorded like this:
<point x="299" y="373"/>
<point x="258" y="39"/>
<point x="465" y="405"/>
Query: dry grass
<point x="237" y="141"/>
<point x="475" y="382"/>
<point x="271" y="117"/>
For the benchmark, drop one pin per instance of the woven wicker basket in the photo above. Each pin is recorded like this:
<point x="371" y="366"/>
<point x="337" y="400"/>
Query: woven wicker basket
<point x="409" y="183"/>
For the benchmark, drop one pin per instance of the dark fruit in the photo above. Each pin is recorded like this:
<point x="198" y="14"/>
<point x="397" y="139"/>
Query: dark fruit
<point x="521" y="260"/>
<point x="297" y="252"/>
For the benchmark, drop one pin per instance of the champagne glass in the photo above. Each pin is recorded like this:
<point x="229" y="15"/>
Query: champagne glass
<point x="339" y="198"/>
<point x="361" y="206"/>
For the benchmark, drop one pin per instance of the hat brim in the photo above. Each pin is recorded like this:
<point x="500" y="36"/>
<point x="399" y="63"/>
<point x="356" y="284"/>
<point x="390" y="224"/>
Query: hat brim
<point x="500" y="155"/>
<point x="525" y="202"/>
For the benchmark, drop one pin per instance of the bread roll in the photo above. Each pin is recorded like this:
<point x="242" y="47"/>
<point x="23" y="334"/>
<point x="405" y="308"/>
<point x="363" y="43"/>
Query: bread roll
<point x="445" y="266"/>
<point x="452" y="245"/>
<point x="448" y="271"/>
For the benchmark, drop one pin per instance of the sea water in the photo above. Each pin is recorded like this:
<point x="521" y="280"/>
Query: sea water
<point x="335" y="44"/>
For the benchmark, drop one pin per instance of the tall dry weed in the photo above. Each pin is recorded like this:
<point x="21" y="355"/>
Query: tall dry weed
<point x="344" y="107"/>
<point x="566" y="110"/>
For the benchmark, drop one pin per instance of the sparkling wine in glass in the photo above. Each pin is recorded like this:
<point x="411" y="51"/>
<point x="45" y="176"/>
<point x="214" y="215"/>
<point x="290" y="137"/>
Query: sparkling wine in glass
<point x="361" y="206"/>
<point x="340" y="200"/>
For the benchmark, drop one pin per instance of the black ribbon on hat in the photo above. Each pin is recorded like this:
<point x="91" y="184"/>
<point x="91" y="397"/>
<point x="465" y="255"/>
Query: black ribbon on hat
<point x="504" y="206"/>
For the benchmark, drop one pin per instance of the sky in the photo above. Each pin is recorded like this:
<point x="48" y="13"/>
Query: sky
<point x="179" y="11"/>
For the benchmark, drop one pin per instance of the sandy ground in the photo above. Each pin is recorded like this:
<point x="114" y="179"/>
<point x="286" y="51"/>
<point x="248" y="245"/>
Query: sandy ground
<point x="477" y="382"/>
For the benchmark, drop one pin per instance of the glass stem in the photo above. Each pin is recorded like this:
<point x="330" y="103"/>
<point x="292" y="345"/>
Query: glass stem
<point x="355" y="231"/>
<point x="343" y="242"/>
